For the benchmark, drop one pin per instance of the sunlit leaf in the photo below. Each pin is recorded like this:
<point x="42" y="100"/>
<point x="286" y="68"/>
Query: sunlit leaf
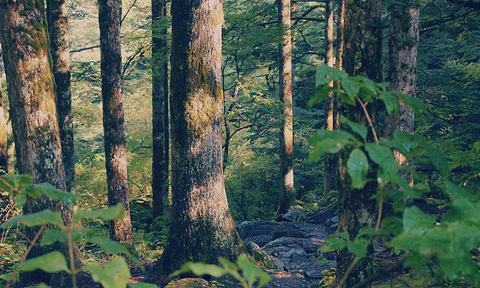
<point x="252" y="272"/>
<point x="326" y="141"/>
<point x="200" y="269"/>
<point x="111" y="213"/>
<point x="51" y="263"/>
<point x="142" y="285"/>
<point x="113" y="274"/>
<point x="357" y="165"/>
<point x="327" y="74"/>
<point x="53" y="193"/>
<point x="36" y="219"/>
<point x="358" y="128"/>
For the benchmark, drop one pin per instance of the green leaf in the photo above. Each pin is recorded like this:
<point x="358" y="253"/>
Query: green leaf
<point x="368" y="89"/>
<point x="200" y="269"/>
<point x="334" y="242"/>
<point x="36" y="219"/>
<point x="325" y="141"/>
<point x="438" y="159"/>
<point x="414" y="220"/>
<point x="232" y="269"/>
<point x="113" y="274"/>
<point x="41" y="285"/>
<point x="142" y="285"/>
<point x="53" y="193"/>
<point x="390" y="101"/>
<point x="52" y="262"/>
<point x="357" y="165"/>
<point x="327" y="74"/>
<point x="252" y="272"/>
<point x="414" y="103"/>
<point x="53" y="235"/>
<point x="351" y="88"/>
<point x="358" y="248"/>
<point x="111" y="213"/>
<point x="405" y="143"/>
<point x="21" y="199"/>
<point x="113" y="247"/>
<point x="320" y="95"/>
<point x="385" y="159"/>
<point x="360" y="129"/>
<point x="455" y="192"/>
<point x="15" y="181"/>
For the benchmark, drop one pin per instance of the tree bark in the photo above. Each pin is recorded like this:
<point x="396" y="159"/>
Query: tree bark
<point x="329" y="161"/>
<point x="57" y="16"/>
<point x="160" y="132"/>
<point x="362" y="55"/>
<point x="3" y="136"/>
<point x="402" y="65"/>
<point x="31" y="91"/>
<point x="202" y="228"/>
<point x="113" y="118"/>
<point x="287" y="190"/>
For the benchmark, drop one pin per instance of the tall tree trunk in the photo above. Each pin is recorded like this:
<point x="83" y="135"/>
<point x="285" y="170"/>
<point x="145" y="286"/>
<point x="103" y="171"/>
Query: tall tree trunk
<point x="362" y="56"/>
<point x="160" y="108"/>
<point x="402" y="65"/>
<point x="3" y="136"/>
<point x="287" y="190"/>
<point x="57" y="16"/>
<point x="31" y="91"/>
<point x="110" y="12"/>
<point x="329" y="161"/>
<point x="202" y="228"/>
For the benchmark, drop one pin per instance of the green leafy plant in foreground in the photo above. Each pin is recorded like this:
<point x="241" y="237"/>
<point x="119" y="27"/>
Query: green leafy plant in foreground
<point x="244" y="271"/>
<point x="112" y="274"/>
<point x="436" y="245"/>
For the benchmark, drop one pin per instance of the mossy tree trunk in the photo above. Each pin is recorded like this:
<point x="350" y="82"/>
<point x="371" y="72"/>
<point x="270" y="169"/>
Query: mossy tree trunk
<point x="402" y="66"/>
<point x="202" y="228"/>
<point x="362" y="55"/>
<point x="110" y="12"/>
<point x="3" y="136"/>
<point x="287" y="190"/>
<point x="31" y="91"/>
<point x="57" y="16"/>
<point x="330" y="161"/>
<point x="160" y="121"/>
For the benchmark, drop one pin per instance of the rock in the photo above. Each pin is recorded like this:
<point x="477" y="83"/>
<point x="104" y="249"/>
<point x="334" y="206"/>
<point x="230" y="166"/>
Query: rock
<point x="190" y="283"/>
<point x="294" y="233"/>
<point x="294" y="214"/>
<point x="322" y="216"/>
<point x="268" y="261"/>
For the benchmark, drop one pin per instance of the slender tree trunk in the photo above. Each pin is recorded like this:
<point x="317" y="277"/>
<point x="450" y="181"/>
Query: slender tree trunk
<point x="202" y="228"/>
<point x="402" y="65"/>
<point x="31" y="91"/>
<point x="330" y="161"/>
<point x="362" y="56"/>
<point x="160" y="108"/>
<point x="3" y="136"/>
<point x="57" y="16"/>
<point x="113" y="119"/>
<point x="287" y="190"/>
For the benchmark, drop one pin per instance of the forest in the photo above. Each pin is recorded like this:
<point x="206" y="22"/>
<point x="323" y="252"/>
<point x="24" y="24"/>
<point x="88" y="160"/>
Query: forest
<point x="239" y="143"/>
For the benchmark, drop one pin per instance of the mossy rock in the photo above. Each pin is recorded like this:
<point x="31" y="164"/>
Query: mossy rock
<point x="264" y="259"/>
<point x="190" y="283"/>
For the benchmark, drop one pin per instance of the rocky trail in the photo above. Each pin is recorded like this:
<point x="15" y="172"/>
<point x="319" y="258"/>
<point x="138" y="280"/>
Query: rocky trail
<point x="292" y="245"/>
